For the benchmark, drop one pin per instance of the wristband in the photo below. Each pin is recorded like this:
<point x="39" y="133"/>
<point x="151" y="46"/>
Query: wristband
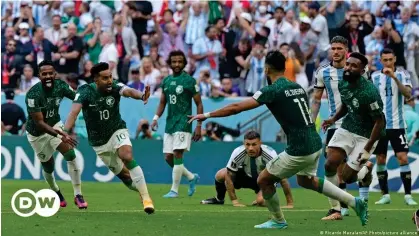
<point x="207" y="115"/>
<point x="59" y="136"/>
<point x="365" y="155"/>
<point x="156" y="117"/>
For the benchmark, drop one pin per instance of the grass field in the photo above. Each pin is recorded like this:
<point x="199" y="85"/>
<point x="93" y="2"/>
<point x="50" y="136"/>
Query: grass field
<point x="115" y="210"/>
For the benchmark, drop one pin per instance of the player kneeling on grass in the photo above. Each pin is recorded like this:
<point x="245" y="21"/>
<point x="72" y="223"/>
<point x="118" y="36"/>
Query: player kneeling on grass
<point x="107" y="132"/>
<point x="45" y="129"/>
<point x="287" y="102"/>
<point x="179" y="90"/>
<point x="243" y="168"/>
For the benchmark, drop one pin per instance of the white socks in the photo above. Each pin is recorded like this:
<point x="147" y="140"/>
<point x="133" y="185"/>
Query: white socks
<point x="138" y="181"/>
<point x="188" y="174"/>
<point x="274" y="207"/>
<point x="178" y="170"/>
<point x="50" y="180"/>
<point x="333" y="202"/>
<point x="75" y="175"/>
<point x="335" y="192"/>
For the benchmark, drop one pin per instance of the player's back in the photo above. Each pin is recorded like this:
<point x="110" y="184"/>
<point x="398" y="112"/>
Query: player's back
<point x="288" y="103"/>
<point x="179" y="92"/>
<point x="328" y="77"/>
<point x="391" y="96"/>
<point x="101" y="112"/>
<point x="47" y="101"/>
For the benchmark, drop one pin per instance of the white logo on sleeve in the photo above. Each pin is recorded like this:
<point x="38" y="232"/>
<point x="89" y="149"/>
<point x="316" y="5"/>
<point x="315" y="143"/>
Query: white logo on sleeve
<point x="374" y="106"/>
<point x="196" y="87"/>
<point x="257" y="95"/>
<point x="31" y="102"/>
<point x="77" y="96"/>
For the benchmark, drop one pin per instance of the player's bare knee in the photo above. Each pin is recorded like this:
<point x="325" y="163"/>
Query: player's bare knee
<point x="169" y="158"/>
<point x="381" y="159"/>
<point x="220" y="175"/>
<point x="178" y="154"/>
<point x="125" y="154"/>
<point x="349" y="175"/>
<point x="304" y="181"/>
<point x="402" y="158"/>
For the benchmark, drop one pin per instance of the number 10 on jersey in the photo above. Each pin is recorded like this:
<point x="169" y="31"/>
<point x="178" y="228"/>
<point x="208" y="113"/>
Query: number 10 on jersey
<point x="302" y="104"/>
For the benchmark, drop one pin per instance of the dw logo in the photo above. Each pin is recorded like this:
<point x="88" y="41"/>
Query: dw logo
<point x="393" y="170"/>
<point x="26" y="202"/>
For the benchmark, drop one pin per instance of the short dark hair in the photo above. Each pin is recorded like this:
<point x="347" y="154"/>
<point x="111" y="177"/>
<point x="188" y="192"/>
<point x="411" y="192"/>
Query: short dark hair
<point x="208" y="28"/>
<point x="252" y="135"/>
<point x="10" y="94"/>
<point x="284" y="44"/>
<point x="339" y="39"/>
<point x="276" y="60"/>
<point x="168" y="10"/>
<point x="56" y="15"/>
<point x="45" y="63"/>
<point x="218" y="19"/>
<point x="361" y="57"/>
<point x="96" y="69"/>
<point x="36" y="28"/>
<point x="280" y="8"/>
<point x="87" y="6"/>
<point x="387" y="51"/>
<point x="353" y="15"/>
<point x="176" y="53"/>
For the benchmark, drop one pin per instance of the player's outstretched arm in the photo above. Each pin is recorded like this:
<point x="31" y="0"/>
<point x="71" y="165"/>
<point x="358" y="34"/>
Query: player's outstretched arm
<point x="199" y="110"/>
<point x="231" y="109"/>
<point x="135" y="94"/>
<point x="38" y="118"/>
<point x="229" y="182"/>
<point x="159" y="112"/>
<point x="316" y="103"/>
<point x="342" y="111"/>
<point x="72" y="117"/>
<point x="380" y="123"/>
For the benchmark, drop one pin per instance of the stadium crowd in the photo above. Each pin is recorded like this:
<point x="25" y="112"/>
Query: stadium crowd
<point x="226" y="41"/>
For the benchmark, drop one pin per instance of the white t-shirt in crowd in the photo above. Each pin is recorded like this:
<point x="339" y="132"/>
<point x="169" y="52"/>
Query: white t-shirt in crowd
<point x="108" y="54"/>
<point x="151" y="79"/>
<point x="319" y="24"/>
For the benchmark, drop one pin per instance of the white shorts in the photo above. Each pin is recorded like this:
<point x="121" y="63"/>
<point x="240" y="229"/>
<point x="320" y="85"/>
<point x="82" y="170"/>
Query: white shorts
<point x="176" y="141"/>
<point x="45" y="145"/>
<point x="108" y="152"/>
<point x="352" y="144"/>
<point x="284" y="166"/>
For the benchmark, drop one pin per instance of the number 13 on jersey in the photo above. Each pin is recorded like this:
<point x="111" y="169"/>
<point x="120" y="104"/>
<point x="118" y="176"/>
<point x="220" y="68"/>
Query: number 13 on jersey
<point x="172" y="99"/>
<point x="302" y="104"/>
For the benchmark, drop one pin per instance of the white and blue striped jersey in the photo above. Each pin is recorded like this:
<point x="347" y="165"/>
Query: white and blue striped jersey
<point x="328" y="77"/>
<point x="393" y="99"/>
<point x="240" y="159"/>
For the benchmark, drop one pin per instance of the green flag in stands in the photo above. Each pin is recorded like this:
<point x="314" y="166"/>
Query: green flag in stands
<point x="109" y="4"/>
<point x="215" y="11"/>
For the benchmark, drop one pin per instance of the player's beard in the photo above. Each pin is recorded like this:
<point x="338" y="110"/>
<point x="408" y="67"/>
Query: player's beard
<point x="350" y="76"/>
<point x="269" y="80"/>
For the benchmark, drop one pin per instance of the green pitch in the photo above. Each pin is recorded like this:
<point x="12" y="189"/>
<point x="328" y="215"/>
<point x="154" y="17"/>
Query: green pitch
<point x="115" y="210"/>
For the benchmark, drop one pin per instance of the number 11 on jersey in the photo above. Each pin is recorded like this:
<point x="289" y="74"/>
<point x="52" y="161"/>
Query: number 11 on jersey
<point x="304" y="110"/>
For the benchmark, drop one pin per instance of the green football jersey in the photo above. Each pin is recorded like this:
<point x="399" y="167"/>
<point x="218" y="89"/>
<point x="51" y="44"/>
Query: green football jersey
<point x="364" y="105"/>
<point x="288" y="103"/>
<point x="47" y="101"/>
<point x="179" y="92"/>
<point x="101" y="112"/>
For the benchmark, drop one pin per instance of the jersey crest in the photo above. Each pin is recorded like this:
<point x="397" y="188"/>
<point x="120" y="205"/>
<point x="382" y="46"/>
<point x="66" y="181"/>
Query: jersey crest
<point x="110" y="101"/>
<point x="179" y="89"/>
<point x="355" y="102"/>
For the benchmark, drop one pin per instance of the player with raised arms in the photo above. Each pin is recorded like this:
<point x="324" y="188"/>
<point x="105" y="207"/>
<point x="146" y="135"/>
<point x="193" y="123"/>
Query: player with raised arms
<point x="45" y="129"/>
<point x="246" y="163"/>
<point x="288" y="103"/>
<point x="107" y="132"/>
<point x="327" y="78"/>
<point x="179" y="90"/>
<point x="393" y="84"/>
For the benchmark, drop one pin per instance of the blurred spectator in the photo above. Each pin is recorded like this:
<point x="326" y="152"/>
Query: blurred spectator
<point x="390" y="10"/>
<point x="94" y="47"/>
<point x="86" y="20"/>
<point x="261" y="15"/>
<point x="412" y="120"/>
<point x="255" y="63"/>
<point x="307" y="39"/>
<point x="394" y="41"/>
<point x="27" y="80"/>
<point x="146" y="132"/>
<point x="218" y="132"/>
<point x="171" y="38"/>
<point x="74" y="82"/>
<point x="166" y="19"/>
<point x="11" y="65"/>
<point x="52" y="8"/>
<point x="38" y="11"/>
<point x="11" y="114"/>
<point x="290" y="18"/>
<point x="25" y="16"/>
<point x="140" y="17"/>
<point x="301" y="76"/>
<point x="69" y="53"/>
<point x="227" y="39"/>
<point x="136" y="82"/>
<point x="179" y="13"/>
<point x="149" y="74"/>
<point x="9" y="33"/>
<point x="319" y="26"/>
<point x="292" y="66"/>
<point x="236" y="63"/>
<point x="335" y="12"/>
<point x="373" y="49"/>
<point x="56" y="33"/>
<point x="109" y="53"/>
<point x="126" y="44"/>
<point x="69" y="15"/>
<point x="281" y="30"/>
<point x="196" y="22"/>
<point x="410" y="32"/>
<point x="87" y="76"/>
<point x="5" y="130"/>
<point x="7" y="19"/>
<point x="103" y="12"/>
<point x="245" y="20"/>
<point x="158" y="61"/>
<point x="205" y="83"/>
<point x="355" y="32"/>
<point x="227" y="89"/>
<point x="38" y="49"/>
<point x="206" y="52"/>
<point x="23" y="36"/>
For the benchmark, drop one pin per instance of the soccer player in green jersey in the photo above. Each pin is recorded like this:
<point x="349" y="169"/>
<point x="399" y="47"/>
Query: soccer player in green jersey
<point x="288" y="103"/>
<point x="45" y="129"/>
<point x="362" y="126"/>
<point x="179" y="90"/>
<point x="107" y="132"/>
